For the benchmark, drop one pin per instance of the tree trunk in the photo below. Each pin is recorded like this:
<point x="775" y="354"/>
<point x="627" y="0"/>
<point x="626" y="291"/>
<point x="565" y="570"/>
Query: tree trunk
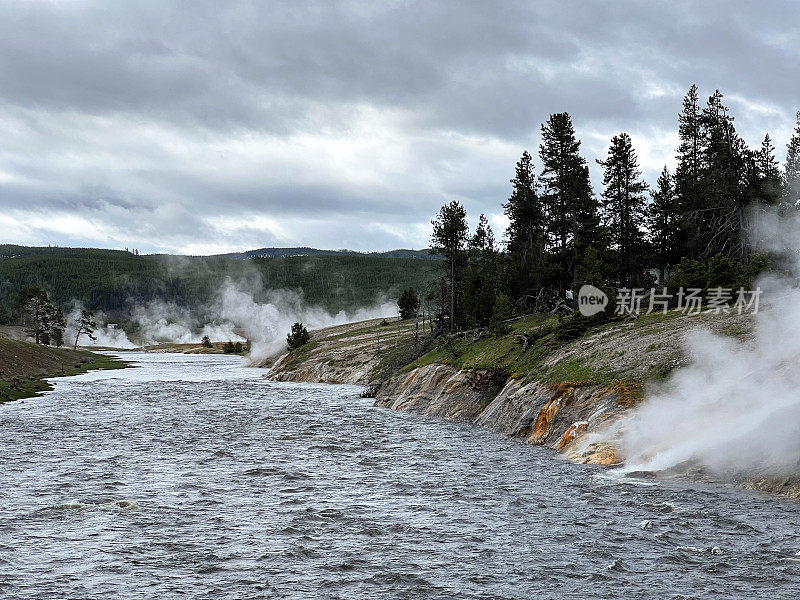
<point x="452" y="295"/>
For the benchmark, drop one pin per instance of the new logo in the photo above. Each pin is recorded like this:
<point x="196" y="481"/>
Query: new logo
<point x="591" y="300"/>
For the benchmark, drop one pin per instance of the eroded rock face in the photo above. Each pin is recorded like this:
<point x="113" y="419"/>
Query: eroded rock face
<point x="563" y="417"/>
<point x="571" y="434"/>
<point x="342" y="354"/>
<point x="439" y="391"/>
<point x="315" y="372"/>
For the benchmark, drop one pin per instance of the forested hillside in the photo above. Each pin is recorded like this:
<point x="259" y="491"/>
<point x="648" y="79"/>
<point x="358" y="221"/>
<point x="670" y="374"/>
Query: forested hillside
<point x="111" y="280"/>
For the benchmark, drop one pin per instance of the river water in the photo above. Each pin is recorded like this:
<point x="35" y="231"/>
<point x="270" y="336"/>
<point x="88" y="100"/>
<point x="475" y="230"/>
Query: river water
<point x="194" y="477"/>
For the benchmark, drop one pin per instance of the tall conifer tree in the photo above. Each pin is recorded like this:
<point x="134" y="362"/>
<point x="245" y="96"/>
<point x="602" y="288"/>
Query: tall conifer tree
<point x="623" y="204"/>
<point x="661" y="219"/>
<point x="567" y="196"/>
<point x="526" y="233"/>
<point x="791" y="170"/>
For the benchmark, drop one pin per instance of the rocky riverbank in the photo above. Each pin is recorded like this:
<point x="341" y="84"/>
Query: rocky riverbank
<point x="528" y="384"/>
<point x="563" y="416"/>
<point x="356" y="353"/>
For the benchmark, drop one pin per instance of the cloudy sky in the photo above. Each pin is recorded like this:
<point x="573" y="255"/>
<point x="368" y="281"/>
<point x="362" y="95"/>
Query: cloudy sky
<point x="203" y="127"/>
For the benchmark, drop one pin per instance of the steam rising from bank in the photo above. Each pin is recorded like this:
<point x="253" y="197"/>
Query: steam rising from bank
<point x="736" y="408"/>
<point x="234" y="315"/>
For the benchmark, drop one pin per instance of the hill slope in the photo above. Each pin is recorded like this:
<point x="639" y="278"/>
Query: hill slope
<point x="111" y="280"/>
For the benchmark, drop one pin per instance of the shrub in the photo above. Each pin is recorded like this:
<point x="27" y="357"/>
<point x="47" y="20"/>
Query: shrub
<point x="688" y="274"/>
<point x="297" y="337"/>
<point x="501" y="312"/>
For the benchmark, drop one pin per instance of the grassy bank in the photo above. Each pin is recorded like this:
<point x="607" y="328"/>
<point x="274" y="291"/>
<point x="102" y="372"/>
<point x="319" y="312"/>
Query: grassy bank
<point x="622" y="354"/>
<point x="24" y="366"/>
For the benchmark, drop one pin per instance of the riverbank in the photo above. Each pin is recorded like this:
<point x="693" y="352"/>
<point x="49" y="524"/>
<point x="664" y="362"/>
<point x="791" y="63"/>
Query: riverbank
<point x="362" y="353"/>
<point x="24" y="366"/>
<point x="541" y="382"/>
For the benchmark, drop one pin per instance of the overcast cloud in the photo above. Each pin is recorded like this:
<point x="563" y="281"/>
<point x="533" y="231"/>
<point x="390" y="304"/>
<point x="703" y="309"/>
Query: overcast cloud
<point x="203" y="127"/>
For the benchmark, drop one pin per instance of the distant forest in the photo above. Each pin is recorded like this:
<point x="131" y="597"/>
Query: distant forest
<point x="114" y="280"/>
<point x="691" y="229"/>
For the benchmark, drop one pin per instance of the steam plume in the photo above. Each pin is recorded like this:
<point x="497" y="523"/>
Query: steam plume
<point x="736" y="408"/>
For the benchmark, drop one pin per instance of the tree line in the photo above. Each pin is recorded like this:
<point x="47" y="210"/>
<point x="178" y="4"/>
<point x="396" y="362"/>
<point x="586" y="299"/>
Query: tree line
<point x="691" y="229"/>
<point x="113" y="281"/>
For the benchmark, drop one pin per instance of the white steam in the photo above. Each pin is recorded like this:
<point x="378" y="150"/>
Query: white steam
<point x="106" y="334"/>
<point x="234" y="315"/>
<point x="267" y="323"/>
<point x="736" y="408"/>
<point x="161" y="321"/>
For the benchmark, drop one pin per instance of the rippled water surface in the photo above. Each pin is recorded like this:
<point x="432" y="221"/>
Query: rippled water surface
<point x="191" y="476"/>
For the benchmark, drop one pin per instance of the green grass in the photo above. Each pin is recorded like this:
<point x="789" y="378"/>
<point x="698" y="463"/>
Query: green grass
<point x="25" y="386"/>
<point x="297" y="356"/>
<point x="15" y="390"/>
<point x="99" y="362"/>
<point x="506" y="353"/>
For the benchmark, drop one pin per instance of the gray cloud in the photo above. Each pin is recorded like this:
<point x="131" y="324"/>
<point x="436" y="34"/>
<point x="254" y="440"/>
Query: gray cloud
<point x="169" y="125"/>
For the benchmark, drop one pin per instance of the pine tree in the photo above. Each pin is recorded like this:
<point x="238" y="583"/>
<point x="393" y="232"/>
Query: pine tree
<point x="449" y="239"/>
<point x="791" y="170"/>
<point x="297" y="337"/>
<point x="720" y="219"/>
<point x="688" y="183"/>
<point x="623" y="204"/>
<point x="661" y="218"/>
<point x="408" y="304"/>
<point x="567" y="196"/>
<point x="481" y="280"/>
<point x="85" y="326"/>
<point x="768" y="184"/>
<point x="36" y="312"/>
<point x="526" y="231"/>
<point x="56" y="324"/>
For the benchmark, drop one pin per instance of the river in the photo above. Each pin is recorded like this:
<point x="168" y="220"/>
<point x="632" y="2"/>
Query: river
<point x="192" y="476"/>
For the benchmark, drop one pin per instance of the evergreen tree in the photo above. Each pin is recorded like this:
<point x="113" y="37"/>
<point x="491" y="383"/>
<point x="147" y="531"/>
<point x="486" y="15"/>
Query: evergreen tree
<point x="720" y="219"/>
<point x="623" y="204"/>
<point x="501" y="313"/>
<point x="297" y="337"/>
<point x="567" y="196"/>
<point x="482" y="276"/>
<point x="766" y="175"/>
<point x="449" y="239"/>
<point x="661" y="218"/>
<point x="85" y="326"/>
<point x="526" y="233"/>
<point x="688" y="184"/>
<point x="791" y="170"/>
<point x="56" y="324"/>
<point x="36" y="313"/>
<point x="408" y="304"/>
